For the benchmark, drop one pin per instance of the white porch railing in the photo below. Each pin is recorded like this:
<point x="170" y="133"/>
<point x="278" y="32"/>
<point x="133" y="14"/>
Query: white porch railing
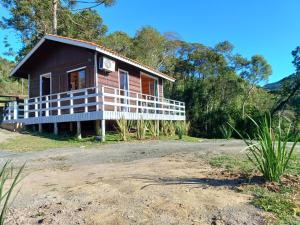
<point x="114" y="102"/>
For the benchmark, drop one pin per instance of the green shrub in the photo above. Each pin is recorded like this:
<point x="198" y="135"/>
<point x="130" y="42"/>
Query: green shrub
<point x="226" y="131"/>
<point x="140" y="129"/>
<point x="179" y="130"/>
<point x="182" y="128"/>
<point x="269" y="151"/>
<point x="6" y="190"/>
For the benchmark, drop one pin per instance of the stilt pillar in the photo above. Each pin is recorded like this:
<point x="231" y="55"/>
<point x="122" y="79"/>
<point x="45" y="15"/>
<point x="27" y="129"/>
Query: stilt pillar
<point x="55" y="129"/>
<point x="103" y="130"/>
<point x="78" y="133"/>
<point x="40" y="128"/>
<point x="97" y="128"/>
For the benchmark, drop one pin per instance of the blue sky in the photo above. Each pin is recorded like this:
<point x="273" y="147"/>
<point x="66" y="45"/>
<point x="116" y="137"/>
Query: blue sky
<point x="266" y="27"/>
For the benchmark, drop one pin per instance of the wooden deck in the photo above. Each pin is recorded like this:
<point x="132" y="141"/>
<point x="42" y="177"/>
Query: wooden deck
<point x="104" y="103"/>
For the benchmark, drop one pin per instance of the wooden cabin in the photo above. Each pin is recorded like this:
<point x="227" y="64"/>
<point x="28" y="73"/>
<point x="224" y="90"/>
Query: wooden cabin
<point x="72" y="81"/>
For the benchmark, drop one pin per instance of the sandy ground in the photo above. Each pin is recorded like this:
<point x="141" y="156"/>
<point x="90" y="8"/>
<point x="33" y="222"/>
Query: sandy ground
<point x="151" y="182"/>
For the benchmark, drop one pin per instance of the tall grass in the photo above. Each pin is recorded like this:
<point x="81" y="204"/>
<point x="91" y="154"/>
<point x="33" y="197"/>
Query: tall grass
<point x="140" y="129"/>
<point x="171" y="128"/>
<point x="164" y="127"/>
<point x="269" y="150"/>
<point x="6" y="189"/>
<point x="123" y="128"/>
<point x="153" y="128"/>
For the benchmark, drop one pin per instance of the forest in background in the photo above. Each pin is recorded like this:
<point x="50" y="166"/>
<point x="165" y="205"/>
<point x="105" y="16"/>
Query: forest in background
<point x="218" y="85"/>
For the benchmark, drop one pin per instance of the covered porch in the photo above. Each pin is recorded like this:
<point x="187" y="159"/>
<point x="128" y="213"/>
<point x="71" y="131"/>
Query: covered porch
<point x="95" y="103"/>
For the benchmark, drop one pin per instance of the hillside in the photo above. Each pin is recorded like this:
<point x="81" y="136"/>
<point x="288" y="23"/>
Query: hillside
<point x="276" y="86"/>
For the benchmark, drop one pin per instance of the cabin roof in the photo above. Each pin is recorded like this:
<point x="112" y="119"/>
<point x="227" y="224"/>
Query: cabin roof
<point x="93" y="46"/>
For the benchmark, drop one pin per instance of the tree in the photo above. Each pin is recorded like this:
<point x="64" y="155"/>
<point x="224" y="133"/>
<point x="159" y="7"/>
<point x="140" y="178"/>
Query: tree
<point x="8" y="85"/>
<point x="119" y="42"/>
<point x="293" y="87"/>
<point x="32" y="19"/>
<point x="72" y="5"/>
<point x="151" y="48"/>
<point x="254" y="71"/>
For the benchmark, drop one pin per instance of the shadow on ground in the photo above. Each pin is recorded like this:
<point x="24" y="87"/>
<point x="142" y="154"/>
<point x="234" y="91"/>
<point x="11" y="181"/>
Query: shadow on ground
<point x="214" y="182"/>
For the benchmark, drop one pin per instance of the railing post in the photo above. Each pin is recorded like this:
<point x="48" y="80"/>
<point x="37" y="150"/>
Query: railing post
<point x="47" y="106"/>
<point x="71" y="103"/>
<point x="137" y="102"/>
<point x="25" y="108"/>
<point x="86" y="101"/>
<point x="115" y="100"/>
<point x="9" y="111"/>
<point x="36" y="113"/>
<point x="58" y="105"/>
<point x="97" y="98"/>
<point x="102" y="94"/>
<point x="156" y="99"/>
<point x="4" y="114"/>
<point x="15" y="108"/>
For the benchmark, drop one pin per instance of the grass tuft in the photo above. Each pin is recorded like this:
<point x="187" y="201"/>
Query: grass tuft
<point x="269" y="151"/>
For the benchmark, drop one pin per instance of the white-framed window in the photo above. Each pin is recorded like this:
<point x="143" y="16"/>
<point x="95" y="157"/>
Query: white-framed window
<point x="123" y="80"/>
<point x="77" y="79"/>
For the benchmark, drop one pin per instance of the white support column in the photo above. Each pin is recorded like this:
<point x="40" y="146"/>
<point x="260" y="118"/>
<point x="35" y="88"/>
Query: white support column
<point x="26" y="108"/>
<point x="103" y="130"/>
<point x="78" y="132"/>
<point x="55" y="129"/>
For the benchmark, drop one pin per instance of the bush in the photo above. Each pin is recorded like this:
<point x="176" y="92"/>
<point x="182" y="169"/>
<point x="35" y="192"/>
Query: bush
<point x="268" y="151"/>
<point x="5" y="174"/>
<point x="182" y="128"/>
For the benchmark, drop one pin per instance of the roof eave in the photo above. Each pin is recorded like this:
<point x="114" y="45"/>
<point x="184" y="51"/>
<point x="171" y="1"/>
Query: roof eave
<point x="88" y="46"/>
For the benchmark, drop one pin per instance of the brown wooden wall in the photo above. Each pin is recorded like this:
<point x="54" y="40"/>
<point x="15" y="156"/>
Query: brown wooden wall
<point x="58" y="59"/>
<point x="112" y="79"/>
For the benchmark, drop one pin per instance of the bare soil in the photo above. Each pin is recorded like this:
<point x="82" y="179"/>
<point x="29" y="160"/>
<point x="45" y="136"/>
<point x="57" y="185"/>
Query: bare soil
<point x="153" y="182"/>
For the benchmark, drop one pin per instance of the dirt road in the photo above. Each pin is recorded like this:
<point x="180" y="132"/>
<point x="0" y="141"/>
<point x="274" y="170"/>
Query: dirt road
<point x="153" y="182"/>
<point x="121" y="152"/>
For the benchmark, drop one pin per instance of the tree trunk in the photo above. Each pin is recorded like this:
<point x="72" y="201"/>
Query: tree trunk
<point x="54" y="19"/>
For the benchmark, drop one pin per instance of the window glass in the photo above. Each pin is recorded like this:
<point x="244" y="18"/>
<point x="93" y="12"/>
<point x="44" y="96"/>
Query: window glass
<point x="77" y="80"/>
<point x="123" y="80"/>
